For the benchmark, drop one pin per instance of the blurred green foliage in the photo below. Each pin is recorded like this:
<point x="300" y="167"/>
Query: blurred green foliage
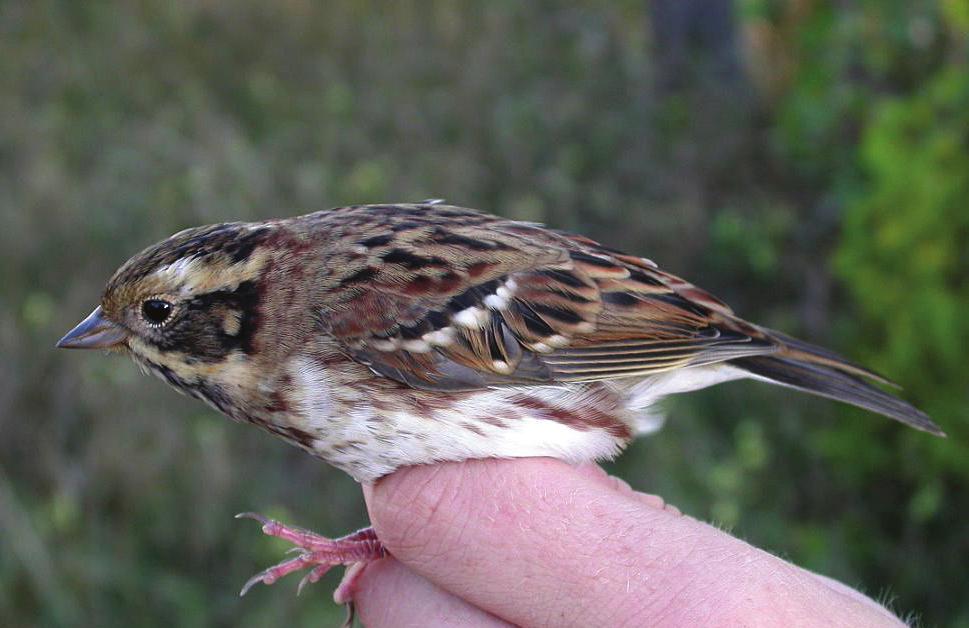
<point x="808" y="161"/>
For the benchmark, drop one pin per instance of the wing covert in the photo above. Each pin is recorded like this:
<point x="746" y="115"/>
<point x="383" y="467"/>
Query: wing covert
<point x="449" y="299"/>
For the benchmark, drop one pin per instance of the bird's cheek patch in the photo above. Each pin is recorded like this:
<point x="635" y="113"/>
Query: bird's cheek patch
<point x="232" y="323"/>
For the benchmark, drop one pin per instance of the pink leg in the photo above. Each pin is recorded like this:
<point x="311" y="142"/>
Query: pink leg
<point x="320" y="553"/>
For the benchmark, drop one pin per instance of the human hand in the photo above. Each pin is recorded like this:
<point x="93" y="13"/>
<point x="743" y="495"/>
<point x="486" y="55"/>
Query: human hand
<point x="536" y="542"/>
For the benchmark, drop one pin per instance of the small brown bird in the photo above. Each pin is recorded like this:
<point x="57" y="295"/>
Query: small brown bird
<point x="381" y="336"/>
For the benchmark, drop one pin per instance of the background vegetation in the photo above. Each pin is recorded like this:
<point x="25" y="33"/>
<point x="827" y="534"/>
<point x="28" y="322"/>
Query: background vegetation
<point x="807" y="161"/>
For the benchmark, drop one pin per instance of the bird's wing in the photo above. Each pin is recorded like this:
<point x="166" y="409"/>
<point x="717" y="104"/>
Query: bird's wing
<point x="443" y="298"/>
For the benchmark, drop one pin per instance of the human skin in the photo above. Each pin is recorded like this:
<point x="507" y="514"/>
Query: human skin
<point x="537" y="542"/>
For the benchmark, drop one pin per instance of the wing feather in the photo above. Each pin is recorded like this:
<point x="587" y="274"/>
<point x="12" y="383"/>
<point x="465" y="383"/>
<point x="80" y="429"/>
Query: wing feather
<point x="468" y="301"/>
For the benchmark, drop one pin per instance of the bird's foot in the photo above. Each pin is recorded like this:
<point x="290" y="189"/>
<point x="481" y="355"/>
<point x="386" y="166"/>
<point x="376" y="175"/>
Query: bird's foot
<point x="321" y="553"/>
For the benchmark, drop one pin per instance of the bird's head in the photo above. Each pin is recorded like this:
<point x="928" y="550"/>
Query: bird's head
<point x="185" y="307"/>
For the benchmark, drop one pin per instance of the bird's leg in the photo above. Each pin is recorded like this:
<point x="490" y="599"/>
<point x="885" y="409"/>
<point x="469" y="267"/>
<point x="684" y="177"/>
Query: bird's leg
<point x="320" y="553"/>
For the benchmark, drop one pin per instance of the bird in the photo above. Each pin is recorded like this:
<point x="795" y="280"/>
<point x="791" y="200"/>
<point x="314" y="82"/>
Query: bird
<point x="381" y="336"/>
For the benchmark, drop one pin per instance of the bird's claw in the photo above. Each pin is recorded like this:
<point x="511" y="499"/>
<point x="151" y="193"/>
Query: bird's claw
<point x="313" y="576"/>
<point x="318" y="552"/>
<point x="254" y="515"/>
<point x="251" y="582"/>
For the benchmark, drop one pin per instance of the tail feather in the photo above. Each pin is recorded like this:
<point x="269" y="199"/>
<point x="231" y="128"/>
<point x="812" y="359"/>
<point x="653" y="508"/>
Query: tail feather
<point x="801" y="350"/>
<point x="827" y="375"/>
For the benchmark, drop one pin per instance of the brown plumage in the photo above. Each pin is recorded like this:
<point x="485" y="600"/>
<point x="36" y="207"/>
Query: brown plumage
<point x="385" y="335"/>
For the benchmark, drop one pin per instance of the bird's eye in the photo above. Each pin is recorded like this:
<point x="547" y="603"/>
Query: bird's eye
<point x="156" y="311"/>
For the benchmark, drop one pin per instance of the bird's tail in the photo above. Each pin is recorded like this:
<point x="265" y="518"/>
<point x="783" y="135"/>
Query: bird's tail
<point x="821" y="372"/>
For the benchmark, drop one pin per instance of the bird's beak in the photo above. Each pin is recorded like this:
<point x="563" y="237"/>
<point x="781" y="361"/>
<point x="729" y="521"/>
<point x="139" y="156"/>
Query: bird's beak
<point x="94" y="332"/>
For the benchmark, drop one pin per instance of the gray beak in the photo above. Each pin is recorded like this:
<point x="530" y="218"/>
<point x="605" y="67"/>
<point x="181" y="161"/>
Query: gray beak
<point x="94" y="332"/>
